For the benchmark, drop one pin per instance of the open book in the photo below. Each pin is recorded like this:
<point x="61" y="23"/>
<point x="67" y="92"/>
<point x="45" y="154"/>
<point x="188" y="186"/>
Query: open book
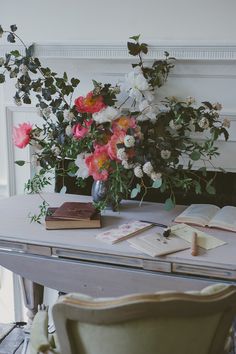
<point x="209" y="215"/>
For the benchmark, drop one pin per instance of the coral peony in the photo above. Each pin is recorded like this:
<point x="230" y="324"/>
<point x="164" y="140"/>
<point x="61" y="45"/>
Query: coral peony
<point x="117" y="138"/>
<point x="89" y="104"/>
<point x="124" y="123"/>
<point x="79" y="131"/>
<point x="98" y="164"/>
<point x="21" y="135"/>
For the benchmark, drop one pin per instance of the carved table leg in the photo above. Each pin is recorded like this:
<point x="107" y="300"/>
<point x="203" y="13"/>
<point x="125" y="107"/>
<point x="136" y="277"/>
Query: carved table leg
<point x="33" y="296"/>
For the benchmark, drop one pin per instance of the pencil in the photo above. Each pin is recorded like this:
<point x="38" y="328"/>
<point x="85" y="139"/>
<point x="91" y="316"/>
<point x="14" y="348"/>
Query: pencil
<point x="194" y="250"/>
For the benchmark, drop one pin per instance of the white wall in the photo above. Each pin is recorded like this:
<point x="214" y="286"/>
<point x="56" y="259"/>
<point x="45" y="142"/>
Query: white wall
<point x="117" y="20"/>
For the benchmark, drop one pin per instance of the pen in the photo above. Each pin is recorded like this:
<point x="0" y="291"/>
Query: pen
<point x="154" y="223"/>
<point x="194" y="250"/>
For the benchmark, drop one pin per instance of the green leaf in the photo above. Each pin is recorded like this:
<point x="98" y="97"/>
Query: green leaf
<point x="20" y="162"/>
<point x="13" y="28"/>
<point x="29" y="51"/>
<point x="63" y="190"/>
<point x="1" y="31"/>
<point x="134" y="192"/>
<point x="15" y="53"/>
<point x="169" y="204"/>
<point x="11" y="38"/>
<point x="195" y="155"/>
<point x="74" y="82"/>
<point x="135" y="38"/>
<point x="198" y="189"/>
<point x="134" y="48"/>
<point x="157" y="184"/>
<point x="65" y="77"/>
<point x="210" y="189"/>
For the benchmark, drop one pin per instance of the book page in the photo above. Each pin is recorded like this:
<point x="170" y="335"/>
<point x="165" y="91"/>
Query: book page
<point x="199" y="214"/>
<point x="156" y="245"/>
<point x="203" y="239"/>
<point x="225" y="219"/>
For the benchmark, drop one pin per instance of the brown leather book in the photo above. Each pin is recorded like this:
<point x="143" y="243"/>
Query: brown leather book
<point x="54" y="223"/>
<point x="76" y="211"/>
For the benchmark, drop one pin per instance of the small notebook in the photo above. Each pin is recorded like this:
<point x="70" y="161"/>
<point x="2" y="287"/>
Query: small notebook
<point x="156" y="245"/>
<point x="123" y="232"/>
<point x="203" y="239"/>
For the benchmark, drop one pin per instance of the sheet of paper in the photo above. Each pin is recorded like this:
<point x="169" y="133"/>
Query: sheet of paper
<point x="203" y="239"/>
<point x="123" y="232"/>
<point x="156" y="245"/>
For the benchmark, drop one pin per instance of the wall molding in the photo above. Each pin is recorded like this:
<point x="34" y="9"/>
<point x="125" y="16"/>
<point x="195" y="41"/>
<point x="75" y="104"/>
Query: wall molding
<point x="181" y="50"/>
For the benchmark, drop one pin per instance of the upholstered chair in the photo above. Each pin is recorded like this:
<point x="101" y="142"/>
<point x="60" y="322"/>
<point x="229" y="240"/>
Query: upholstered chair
<point x="160" y="323"/>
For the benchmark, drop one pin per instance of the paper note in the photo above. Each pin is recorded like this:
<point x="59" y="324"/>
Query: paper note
<point x="123" y="232"/>
<point x="203" y="239"/>
<point x="156" y="245"/>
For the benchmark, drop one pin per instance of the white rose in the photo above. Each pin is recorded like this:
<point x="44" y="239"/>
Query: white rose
<point x="83" y="171"/>
<point x="68" y="115"/>
<point x="121" y="154"/>
<point x="217" y="106"/>
<point x="203" y="123"/>
<point x="138" y="172"/>
<point x="129" y="141"/>
<point x="127" y="165"/>
<point x="147" y="168"/>
<point x="107" y="114"/>
<point x="165" y="154"/>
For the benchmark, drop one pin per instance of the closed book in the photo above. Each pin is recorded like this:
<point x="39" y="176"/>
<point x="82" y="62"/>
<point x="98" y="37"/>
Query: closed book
<point x="76" y="211"/>
<point x="54" y="223"/>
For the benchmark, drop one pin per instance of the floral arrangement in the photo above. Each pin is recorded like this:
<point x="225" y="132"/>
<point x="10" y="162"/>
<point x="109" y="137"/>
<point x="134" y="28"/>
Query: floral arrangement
<point x="119" y="134"/>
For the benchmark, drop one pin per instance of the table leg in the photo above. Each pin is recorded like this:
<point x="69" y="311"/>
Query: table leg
<point x="32" y="296"/>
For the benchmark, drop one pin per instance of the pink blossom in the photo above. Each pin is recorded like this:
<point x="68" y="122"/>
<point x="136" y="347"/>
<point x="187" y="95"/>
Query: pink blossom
<point x="98" y="163"/>
<point x="21" y="135"/>
<point x="79" y="131"/>
<point x="89" y="104"/>
<point x="117" y="138"/>
<point x="124" y="123"/>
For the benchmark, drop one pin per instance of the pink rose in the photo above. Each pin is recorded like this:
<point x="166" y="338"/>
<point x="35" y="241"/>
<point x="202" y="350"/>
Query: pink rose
<point x="79" y="131"/>
<point x="98" y="164"/>
<point x="89" y="104"/>
<point x="21" y="135"/>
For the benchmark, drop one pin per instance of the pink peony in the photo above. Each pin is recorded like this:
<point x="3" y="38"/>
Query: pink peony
<point x="124" y="123"/>
<point x="98" y="163"/>
<point x="21" y="135"/>
<point x="89" y="104"/>
<point x="79" y="131"/>
<point x="117" y="138"/>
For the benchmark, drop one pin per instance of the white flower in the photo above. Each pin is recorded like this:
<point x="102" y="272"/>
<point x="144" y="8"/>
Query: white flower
<point x="127" y="165"/>
<point x="148" y="112"/>
<point x="107" y="114"/>
<point x="83" y="171"/>
<point x="129" y="141"/>
<point x="47" y="112"/>
<point x="68" y="115"/>
<point x="138" y="171"/>
<point x="203" y="123"/>
<point x="155" y="176"/>
<point x="121" y="154"/>
<point x="2" y="61"/>
<point x="23" y="69"/>
<point x="226" y="123"/>
<point x="135" y="84"/>
<point x="147" y="168"/>
<point x="68" y="130"/>
<point x="174" y="126"/>
<point x="217" y="106"/>
<point x="165" y="154"/>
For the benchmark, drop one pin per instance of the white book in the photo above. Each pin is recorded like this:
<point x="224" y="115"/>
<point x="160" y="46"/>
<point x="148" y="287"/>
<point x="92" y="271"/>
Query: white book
<point x="209" y="215"/>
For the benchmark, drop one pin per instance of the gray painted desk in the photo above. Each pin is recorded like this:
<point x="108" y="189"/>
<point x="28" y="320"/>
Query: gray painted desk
<point x="73" y="260"/>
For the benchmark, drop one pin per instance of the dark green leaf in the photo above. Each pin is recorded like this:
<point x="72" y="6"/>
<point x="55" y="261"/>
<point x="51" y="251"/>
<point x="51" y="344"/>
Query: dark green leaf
<point x="169" y="204"/>
<point x="11" y="38"/>
<point x="20" y="162"/>
<point x="2" y="78"/>
<point x="74" y="82"/>
<point x="1" y="31"/>
<point x="210" y="189"/>
<point x="29" y="51"/>
<point x="134" y="192"/>
<point x="135" y="38"/>
<point x="195" y="155"/>
<point x="15" y="53"/>
<point x="13" y="28"/>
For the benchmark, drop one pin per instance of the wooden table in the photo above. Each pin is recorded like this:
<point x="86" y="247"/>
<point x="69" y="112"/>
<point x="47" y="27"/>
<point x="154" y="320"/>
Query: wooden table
<point x="74" y="260"/>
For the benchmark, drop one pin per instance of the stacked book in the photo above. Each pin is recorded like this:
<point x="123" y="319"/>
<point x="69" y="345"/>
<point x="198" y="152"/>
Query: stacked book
<point x="73" y="215"/>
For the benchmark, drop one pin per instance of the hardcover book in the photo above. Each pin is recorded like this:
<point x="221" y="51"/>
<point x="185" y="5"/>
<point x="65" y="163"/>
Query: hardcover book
<point x="209" y="215"/>
<point x="54" y="223"/>
<point x="75" y="211"/>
